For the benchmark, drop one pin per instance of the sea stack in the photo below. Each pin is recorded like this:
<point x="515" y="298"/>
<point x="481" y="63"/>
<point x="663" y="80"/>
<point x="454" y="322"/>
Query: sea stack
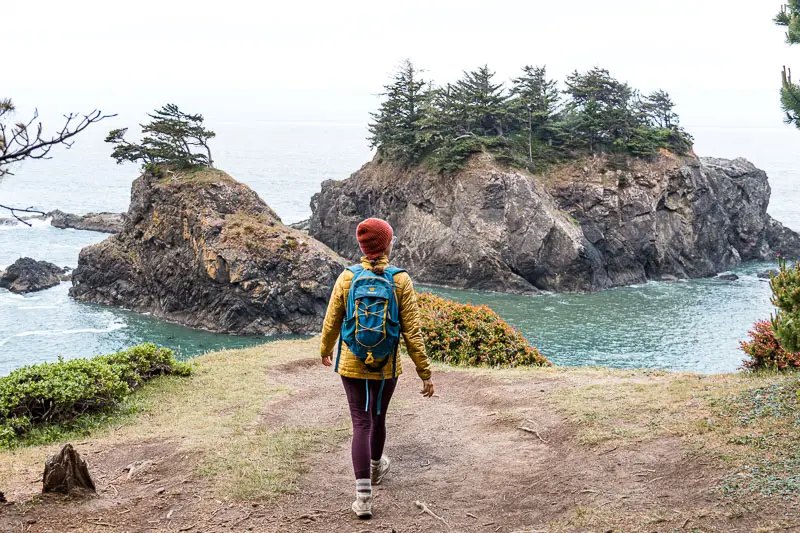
<point x="203" y="250"/>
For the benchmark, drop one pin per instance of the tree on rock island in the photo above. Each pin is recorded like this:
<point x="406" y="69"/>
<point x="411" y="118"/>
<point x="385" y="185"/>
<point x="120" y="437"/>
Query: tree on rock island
<point x="171" y="138"/>
<point x="396" y="124"/>
<point x="27" y="140"/>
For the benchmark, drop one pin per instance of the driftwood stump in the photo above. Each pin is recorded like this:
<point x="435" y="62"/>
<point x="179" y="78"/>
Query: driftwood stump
<point x="66" y="471"/>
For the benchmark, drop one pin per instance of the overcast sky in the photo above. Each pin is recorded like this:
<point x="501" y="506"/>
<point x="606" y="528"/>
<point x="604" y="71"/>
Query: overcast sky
<point x="302" y="60"/>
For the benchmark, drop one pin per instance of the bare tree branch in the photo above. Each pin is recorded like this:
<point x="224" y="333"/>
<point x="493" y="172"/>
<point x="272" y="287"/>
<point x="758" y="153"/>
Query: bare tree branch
<point x="26" y="140"/>
<point x="14" y="211"/>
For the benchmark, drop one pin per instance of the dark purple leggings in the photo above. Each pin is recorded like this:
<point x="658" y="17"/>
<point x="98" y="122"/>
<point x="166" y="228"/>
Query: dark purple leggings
<point x="369" y="429"/>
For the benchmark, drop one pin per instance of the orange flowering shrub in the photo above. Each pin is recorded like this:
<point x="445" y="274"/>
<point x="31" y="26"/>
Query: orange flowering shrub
<point x="765" y="350"/>
<point x="472" y="335"/>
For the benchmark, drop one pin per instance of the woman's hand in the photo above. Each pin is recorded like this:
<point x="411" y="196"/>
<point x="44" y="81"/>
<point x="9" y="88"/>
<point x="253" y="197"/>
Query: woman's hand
<point x="327" y="360"/>
<point x="427" y="388"/>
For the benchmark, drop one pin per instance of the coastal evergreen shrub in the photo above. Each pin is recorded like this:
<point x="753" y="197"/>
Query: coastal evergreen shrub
<point x="60" y="392"/>
<point x="471" y="335"/>
<point x="786" y="297"/>
<point x="765" y="351"/>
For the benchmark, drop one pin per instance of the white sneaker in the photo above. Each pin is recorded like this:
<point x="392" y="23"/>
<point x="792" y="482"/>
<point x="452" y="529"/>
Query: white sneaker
<point x="379" y="471"/>
<point x="363" y="506"/>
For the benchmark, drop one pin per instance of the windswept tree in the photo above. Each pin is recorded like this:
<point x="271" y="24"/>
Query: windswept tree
<point x="601" y="106"/>
<point x="480" y="104"/>
<point x="395" y="127"/>
<point x="21" y="140"/>
<point x="171" y="138"/>
<point x="537" y="98"/>
<point x="659" y="109"/>
<point x="789" y="17"/>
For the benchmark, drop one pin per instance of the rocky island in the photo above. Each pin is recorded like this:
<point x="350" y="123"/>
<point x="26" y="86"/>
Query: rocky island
<point x="528" y="187"/>
<point x="580" y="227"/>
<point x="203" y="250"/>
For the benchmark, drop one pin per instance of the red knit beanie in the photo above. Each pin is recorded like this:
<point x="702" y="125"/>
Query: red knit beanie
<point x="374" y="237"/>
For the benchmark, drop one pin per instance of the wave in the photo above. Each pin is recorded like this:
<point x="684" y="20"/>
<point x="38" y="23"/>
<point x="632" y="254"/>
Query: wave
<point x="35" y="223"/>
<point x="5" y="293"/>
<point x="32" y="307"/>
<point x="112" y="327"/>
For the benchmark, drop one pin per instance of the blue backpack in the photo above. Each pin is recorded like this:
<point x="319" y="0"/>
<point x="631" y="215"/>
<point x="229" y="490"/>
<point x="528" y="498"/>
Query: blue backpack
<point x="371" y="326"/>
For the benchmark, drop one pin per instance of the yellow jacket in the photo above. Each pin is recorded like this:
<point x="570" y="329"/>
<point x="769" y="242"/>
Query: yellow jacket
<point x="349" y="365"/>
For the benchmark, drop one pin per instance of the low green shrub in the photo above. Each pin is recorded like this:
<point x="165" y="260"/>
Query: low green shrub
<point x="765" y="351"/>
<point x="473" y="335"/>
<point x="60" y="392"/>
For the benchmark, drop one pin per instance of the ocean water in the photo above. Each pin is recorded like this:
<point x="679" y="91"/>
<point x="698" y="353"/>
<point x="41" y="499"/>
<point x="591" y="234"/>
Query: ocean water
<point x="693" y="325"/>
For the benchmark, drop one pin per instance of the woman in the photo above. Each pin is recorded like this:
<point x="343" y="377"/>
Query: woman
<point x="369" y="392"/>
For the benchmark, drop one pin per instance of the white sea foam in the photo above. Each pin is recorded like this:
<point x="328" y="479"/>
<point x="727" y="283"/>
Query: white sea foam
<point x="33" y="307"/>
<point x="11" y="295"/>
<point x="35" y="223"/>
<point x="112" y="327"/>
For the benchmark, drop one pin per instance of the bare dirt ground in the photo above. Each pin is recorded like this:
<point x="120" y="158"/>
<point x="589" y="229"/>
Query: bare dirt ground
<point x="461" y="453"/>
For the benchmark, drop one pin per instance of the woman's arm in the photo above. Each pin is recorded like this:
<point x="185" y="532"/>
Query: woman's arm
<point x="409" y="322"/>
<point x="333" y="318"/>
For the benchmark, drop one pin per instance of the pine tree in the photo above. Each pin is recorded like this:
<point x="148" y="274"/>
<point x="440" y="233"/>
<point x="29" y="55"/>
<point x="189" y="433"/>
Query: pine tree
<point x="601" y="108"/>
<point x="659" y="110"/>
<point x="395" y="126"/>
<point x="171" y="138"/>
<point x="537" y="99"/>
<point x="789" y="17"/>
<point x="439" y="120"/>
<point x="480" y="104"/>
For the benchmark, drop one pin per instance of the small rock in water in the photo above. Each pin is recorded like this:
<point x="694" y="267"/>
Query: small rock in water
<point x="767" y="274"/>
<point x="728" y="277"/>
<point x="29" y="275"/>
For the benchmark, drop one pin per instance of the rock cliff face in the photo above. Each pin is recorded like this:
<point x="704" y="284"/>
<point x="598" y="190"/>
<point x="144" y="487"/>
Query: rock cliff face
<point x="582" y="227"/>
<point x="203" y="250"/>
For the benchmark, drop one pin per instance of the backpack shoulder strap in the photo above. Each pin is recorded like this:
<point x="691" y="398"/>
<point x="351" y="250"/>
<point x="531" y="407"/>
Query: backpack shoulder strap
<point x="357" y="270"/>
<point x="393" y="271"/>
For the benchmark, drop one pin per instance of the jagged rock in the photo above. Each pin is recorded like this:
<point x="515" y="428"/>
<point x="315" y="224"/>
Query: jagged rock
<point x="102" y="222"/>
<point x="65" y="472"/>
<point x="203" y="250"/>
<point x="3" y="498"/>
<point x="29" y="275"/>
<point x="580" y="227"/>
<point x="728" y="277"/>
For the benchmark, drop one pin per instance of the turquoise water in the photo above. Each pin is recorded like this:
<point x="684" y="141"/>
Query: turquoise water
<point x="689" y="325"/>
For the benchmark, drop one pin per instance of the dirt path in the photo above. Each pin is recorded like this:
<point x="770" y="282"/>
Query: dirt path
<point x="460" y="453"/>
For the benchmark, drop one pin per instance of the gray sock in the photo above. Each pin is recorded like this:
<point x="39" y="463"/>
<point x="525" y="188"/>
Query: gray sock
<point x="363" y="487"/>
